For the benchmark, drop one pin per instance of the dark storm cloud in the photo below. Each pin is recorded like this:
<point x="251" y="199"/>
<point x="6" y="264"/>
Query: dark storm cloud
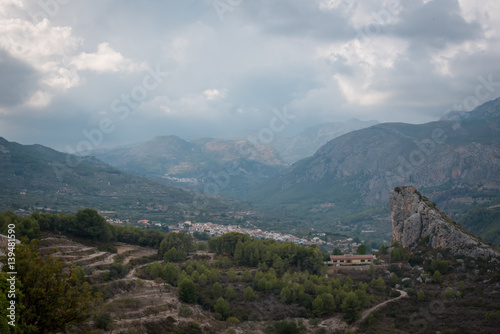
<point x="227" y="75"/>
<point x="296" y="18"/>
<point x="18" y="80"/>
<point x="435" y="23"/>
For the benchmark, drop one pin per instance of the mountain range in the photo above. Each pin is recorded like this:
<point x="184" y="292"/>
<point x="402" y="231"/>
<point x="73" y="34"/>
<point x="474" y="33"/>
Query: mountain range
<point x="37" y="177"/>
<point x="455" y="162"/>
<point x="232" y="166"/>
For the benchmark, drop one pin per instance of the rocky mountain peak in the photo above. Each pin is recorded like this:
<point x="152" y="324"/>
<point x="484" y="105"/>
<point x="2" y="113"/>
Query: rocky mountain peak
<point x="416" y="220"/>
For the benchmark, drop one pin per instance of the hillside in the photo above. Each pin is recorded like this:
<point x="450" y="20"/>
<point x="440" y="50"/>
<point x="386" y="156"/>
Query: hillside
<point x="36" y="177"/>
<point x="234" y="165"/>
<point x="457" y="163"/>
<point x="154" y="282"/>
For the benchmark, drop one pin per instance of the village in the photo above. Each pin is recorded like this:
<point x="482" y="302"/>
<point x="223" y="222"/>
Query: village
<point x="346" y="245"/>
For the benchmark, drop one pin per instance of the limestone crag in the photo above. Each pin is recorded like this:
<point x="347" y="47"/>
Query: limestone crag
<point x="415" y="220"/>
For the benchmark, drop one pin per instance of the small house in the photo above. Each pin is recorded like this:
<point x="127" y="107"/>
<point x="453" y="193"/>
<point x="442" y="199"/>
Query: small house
<point x="349" y="259"/>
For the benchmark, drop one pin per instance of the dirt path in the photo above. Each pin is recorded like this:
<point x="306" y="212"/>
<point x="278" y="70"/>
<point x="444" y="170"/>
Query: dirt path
<point x="365" y="314"/>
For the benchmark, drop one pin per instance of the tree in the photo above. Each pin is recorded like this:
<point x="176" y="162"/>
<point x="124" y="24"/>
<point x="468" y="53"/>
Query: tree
<point x="337" y="251"/>
<point x="214" y="275"/>
<point x="323" y="304"/>
<point x="394" y="279"/>
<point x="50" y="295"/>
<point x="103" y="321"/>
<point x="222" y="307"/>
<point x="249" y="294"/>
<point x="286" y="295"/>
<point x="371" y="270"/>
<point x="350" y="307"/>
<point x="217" y="290"/>
<point x="231" y="275"/>
<point x="440" y="265"/>
<point x="230" y="293"/>
<point x="187" y="291"/>
<point x="247" y="276"/>
<point x="170" y="272"/>
<point x="202" y="280"/>
<point x="421" y="295"/>
<point x="89" y="223"/>
<point x="449" y="293"/>
<point x="153" y="270"/>
<point x="399" y="254"/>
<point x="180" y="241"/>
<point x="361" y="250"/>
<point x="378" y="284"/>
<point x="174" y="255"/>
<point x="437" y="278"/>
<point x="383" y="250"/>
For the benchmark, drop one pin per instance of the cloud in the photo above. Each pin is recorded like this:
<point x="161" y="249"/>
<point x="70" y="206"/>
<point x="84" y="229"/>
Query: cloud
<point x="327" y="60"/>
<point x="18" y="80"/>
<point x="214" y="94"/>
<point x="105" y="60"/>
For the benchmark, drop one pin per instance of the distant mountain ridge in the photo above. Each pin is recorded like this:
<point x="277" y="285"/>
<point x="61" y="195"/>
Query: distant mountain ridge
<point x="37" y="176"/>
<point x="198" y="163"/>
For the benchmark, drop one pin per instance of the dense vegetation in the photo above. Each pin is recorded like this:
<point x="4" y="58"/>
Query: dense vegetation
<point x="237" y="279"/>
<point x="247" y="271"/>
<point x="48" y="295"/>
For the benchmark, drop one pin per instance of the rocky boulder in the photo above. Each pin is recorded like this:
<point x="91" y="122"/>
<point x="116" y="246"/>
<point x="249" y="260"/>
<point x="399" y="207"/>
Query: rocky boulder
<point x="416" y="220"/>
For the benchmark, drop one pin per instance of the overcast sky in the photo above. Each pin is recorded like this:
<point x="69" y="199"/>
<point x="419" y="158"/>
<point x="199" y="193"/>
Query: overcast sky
<point x="69" y="67"/>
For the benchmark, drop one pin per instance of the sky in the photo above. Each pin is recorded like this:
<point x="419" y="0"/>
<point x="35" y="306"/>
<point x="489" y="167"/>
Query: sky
<point x="80" y="75"/>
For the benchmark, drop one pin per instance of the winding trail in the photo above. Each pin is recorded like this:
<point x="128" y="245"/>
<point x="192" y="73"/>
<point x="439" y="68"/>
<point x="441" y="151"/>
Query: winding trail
<point x="365" y="314"/>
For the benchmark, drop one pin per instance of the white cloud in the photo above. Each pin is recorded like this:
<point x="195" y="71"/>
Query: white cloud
<point x="46" y="48"/>
<point x="214" y="94"/>
<point x="105" y="60"/>
<point x="367" y="62"/>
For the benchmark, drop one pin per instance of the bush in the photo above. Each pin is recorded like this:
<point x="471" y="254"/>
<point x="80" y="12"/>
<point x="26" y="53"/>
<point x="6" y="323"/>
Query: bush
<point x="314" y="322"/>
<point x="449" y="294"/>
<point x="439" y="265"/>
<point x="437" y="278"/>
<point x="232" y="321"/>
<point x="421" y="295"/>
<point x="185" y="311"/>
<point x="493" y="316"/>
<point x="103" y="321"/>
<point x="394" y="294"/>
<point x="287" y="327"/>
<point x="194" y="325"/>
<point x="187" y="291"/>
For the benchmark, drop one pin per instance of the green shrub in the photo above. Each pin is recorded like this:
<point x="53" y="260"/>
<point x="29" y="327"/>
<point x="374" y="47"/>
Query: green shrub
<point x="449" y="294"/>
<point x="185" y="311"/>
<point x="421" y="295"/>
<point x="103" y="321"/>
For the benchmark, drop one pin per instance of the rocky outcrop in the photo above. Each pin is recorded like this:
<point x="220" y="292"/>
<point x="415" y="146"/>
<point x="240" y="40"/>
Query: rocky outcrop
<point x="416" y="220"/>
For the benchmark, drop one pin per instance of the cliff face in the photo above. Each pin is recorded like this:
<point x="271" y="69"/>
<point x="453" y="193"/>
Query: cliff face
<point x="415" y="219"/>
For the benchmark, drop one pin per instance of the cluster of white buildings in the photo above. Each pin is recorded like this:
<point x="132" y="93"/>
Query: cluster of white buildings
<point x="216" y="230"/>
